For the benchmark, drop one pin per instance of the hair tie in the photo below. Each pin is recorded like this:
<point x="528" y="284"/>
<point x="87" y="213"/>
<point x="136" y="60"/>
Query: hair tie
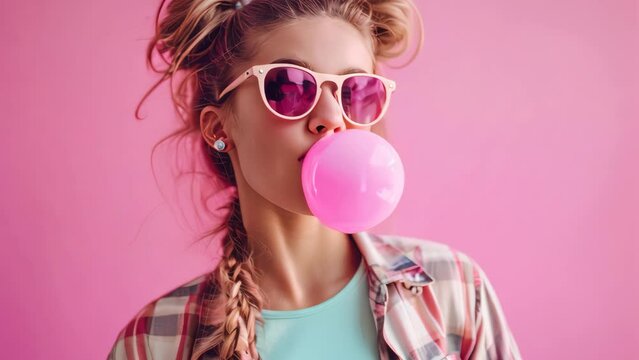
<point x="241" y="3"/>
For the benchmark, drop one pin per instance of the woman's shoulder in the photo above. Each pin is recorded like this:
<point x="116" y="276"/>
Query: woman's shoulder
<point x="165" y="325"/>
<point x="462" y="291"/>
<point x="434" y="256"/>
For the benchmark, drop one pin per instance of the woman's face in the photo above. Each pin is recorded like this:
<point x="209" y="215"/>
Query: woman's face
<point x="265" y="149"/>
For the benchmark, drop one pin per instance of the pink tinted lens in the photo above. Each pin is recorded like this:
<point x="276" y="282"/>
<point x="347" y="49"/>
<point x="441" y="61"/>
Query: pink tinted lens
<point x="289" y="91"/>
<point x="363" y="98"/>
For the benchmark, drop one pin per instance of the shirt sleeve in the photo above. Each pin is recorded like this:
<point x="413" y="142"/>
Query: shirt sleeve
<point x="493" y="338"/>
<point x="117" y="349"/>
<point x="132" y="341"/>
<point x="122" y="348"/>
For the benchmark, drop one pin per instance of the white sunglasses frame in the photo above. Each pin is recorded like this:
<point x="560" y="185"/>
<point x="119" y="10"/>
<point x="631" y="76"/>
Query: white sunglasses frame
<point x="260" y="71"/>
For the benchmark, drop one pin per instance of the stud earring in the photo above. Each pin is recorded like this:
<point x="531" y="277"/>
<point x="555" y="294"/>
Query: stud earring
<point x="219" y="145"/>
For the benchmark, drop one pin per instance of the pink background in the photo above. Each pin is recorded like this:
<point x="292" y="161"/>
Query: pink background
<point x="517" y="125"/>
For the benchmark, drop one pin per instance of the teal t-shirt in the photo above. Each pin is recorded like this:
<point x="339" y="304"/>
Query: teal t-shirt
<point x="341" y="327"/>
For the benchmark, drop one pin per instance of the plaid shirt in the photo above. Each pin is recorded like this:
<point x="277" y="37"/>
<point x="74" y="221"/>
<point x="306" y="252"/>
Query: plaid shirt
<point x="429" y="302"/>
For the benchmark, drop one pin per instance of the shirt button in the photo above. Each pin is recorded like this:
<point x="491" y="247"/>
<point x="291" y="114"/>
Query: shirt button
<point x="414" y="289"/>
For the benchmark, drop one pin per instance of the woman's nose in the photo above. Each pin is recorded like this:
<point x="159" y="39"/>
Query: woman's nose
<point x="327" y="114"/>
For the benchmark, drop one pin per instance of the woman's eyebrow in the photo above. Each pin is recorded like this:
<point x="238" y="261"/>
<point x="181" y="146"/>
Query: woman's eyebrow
<point x="351" y="70"/>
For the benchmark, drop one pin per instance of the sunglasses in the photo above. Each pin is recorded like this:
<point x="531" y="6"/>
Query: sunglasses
<point x="291" y="92"/>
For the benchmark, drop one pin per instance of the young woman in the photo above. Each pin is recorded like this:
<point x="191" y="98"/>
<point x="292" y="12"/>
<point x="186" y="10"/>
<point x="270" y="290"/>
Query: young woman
<point x="288" y="287"/>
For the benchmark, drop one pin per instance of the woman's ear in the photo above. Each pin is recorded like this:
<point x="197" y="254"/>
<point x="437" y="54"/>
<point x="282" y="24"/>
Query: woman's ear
<point x="212" y="127"/>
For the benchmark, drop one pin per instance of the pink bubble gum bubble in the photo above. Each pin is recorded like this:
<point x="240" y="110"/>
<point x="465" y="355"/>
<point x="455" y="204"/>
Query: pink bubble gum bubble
<point x="352" y="180"/>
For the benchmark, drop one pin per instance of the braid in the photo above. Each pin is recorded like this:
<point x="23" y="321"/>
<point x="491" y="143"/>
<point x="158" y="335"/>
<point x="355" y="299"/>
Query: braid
<point x="238" y="300"/>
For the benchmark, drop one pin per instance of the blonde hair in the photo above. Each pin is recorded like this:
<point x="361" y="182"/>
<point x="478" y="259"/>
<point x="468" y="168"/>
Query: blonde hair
<point x="206" y="39"/>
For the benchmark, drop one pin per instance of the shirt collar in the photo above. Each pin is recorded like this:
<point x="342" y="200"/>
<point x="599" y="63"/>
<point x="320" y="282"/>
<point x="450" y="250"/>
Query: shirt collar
<point x="388" y="262"/>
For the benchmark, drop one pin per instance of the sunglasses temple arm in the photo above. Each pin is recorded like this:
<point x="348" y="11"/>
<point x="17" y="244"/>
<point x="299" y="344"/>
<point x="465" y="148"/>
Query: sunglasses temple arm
<point x="240" y="79"/>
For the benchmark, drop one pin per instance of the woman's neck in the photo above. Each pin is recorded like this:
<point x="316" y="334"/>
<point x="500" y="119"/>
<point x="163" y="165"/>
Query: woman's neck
<point x="301" y="261"/>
